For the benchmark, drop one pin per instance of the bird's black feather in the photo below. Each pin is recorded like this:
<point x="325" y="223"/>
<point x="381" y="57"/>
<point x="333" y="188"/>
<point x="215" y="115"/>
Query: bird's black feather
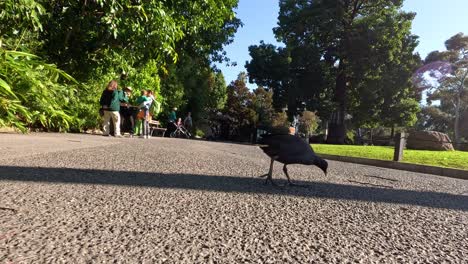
<point x="287" y="149"/>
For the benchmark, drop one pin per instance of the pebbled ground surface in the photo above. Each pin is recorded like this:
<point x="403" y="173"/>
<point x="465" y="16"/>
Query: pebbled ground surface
<point x="91" y="199"/>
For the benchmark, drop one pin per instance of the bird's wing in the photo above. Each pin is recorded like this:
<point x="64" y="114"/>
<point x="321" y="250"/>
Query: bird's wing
<point x="270" y="145"/>
<point x="295" y="148"/>
<point x="287" y="148"/>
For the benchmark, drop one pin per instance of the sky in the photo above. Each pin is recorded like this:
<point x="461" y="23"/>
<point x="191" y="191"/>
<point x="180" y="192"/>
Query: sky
<point x="435" y="22"/>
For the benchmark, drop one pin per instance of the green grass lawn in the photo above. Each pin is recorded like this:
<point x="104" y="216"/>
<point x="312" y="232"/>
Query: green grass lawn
<point x="448" y="159"/>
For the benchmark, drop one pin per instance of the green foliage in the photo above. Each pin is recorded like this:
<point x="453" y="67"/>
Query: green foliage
<point x="263" y="106"/>
<point x="146" y="77"/>
<point x="195" y="76"/>
<point x="33" y="93"/>
<point x="280" y="119"/>
<point x="350" y="136"/>
<point x="393" y="97"/>
<point x="193" y="86"/>
<point x="240" y="104"/>
<point x="404" y="113"/>
<point x="199" y="133"/>
<point x="431" y="118"/>
<point x="217" y="95"/>
<point x="172" y="91"/>
<point x="247" y="109"/>
<point x="269" y="67"/>
<point x="308" y="122"/>
<point x="20" y="16"/>
<point x="81" y="37"/>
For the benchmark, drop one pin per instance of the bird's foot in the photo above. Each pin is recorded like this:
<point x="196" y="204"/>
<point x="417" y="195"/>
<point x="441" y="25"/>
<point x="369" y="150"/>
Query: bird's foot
<point x="263" y="176"/>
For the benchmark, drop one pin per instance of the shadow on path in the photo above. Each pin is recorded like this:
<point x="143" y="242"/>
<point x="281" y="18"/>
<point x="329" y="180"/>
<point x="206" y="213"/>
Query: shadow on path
<point x="234" y="184"/>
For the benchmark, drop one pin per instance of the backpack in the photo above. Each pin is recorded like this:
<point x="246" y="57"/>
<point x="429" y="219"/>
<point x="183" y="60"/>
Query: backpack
<point x="106" y="98"/>
<point x="155" y="108"/>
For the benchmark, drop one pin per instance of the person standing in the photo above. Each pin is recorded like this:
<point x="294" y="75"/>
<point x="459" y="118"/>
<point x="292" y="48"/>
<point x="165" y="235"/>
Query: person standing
<point x="126" y="112"/>
<point x="171" y="126"/>
<point x="146" y="106"/>
<point x="188" y="123"/>
<point x="142" y="121"/>
<point x="110" y="104"/>
<point x="172" y="115"/>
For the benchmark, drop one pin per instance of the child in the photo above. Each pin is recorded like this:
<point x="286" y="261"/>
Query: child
<point x="150" y="98"/>
<point x="145" y="106"/>
<point x="150" y="102"/>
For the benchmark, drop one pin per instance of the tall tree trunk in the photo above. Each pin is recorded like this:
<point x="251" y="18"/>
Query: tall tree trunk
<point x="457" y="121"/>
<point x="337" y="132"/>
<point x="457" y="110"/>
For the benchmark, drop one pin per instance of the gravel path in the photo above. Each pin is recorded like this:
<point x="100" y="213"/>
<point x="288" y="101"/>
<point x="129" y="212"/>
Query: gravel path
<point x="90" y="199"/>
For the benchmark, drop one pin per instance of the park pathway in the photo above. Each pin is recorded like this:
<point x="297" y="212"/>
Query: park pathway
<point x="67" y="198"/>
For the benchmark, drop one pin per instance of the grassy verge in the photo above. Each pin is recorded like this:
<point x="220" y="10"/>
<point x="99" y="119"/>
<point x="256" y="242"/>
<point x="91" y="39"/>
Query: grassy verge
<point x="448" y="159"/>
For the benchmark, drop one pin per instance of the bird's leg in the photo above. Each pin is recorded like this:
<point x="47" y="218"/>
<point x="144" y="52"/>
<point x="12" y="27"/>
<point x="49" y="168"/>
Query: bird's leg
<point x="270" y="174"/>
<point x="270" y="171"/>
<point x="285" y="170"/>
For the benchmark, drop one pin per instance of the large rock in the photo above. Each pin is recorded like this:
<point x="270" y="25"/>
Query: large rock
<point x="429" y="140"/>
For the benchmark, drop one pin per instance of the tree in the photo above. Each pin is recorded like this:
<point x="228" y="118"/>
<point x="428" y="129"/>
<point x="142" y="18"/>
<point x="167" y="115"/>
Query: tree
<point x="308" y="122"/>
<point x="290" y="76"/>
<point x="458" y="82"/>
<point x="450" y="71"/>
<point x="263" y="106"/>
<point x="217" y="95"/>
<point x="280" y="119"/>
<point x="122" y="34"/>
<point x="398" y="97"/>
<point x="240" y="107"/>
<point x="352" y="41"/>
<point x="203" y="88"/>
<point x="432" y="118"/>
<point x="269" y="67"/>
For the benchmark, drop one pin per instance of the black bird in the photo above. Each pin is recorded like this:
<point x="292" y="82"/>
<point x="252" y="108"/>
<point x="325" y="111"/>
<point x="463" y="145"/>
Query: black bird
<point x="289" y="149"/>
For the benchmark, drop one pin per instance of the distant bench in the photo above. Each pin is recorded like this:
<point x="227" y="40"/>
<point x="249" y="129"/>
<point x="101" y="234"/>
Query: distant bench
<point x="155" y="129"/>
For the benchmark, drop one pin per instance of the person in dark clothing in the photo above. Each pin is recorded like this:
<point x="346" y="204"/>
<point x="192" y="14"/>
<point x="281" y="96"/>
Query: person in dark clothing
<point x="127" y="112"/>
<point x="171" y="126"/>
<point x="110" y="104"/>
<point x="188" y="122"/>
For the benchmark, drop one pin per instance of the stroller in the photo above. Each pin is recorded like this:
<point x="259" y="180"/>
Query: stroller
<point x="180" y="130"/>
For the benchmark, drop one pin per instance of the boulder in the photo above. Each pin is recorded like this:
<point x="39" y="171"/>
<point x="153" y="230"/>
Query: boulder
<point x="429" y="140"/>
